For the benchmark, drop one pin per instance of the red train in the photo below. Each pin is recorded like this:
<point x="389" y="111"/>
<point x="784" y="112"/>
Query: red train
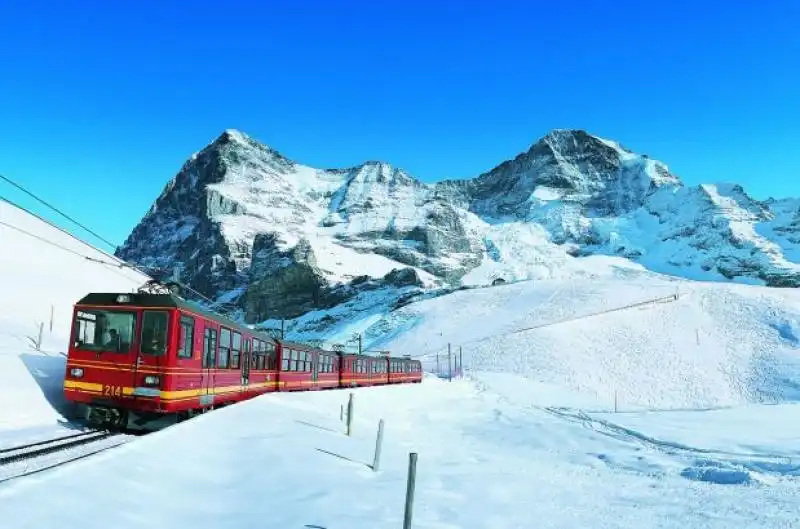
<point x="143" y="361"/>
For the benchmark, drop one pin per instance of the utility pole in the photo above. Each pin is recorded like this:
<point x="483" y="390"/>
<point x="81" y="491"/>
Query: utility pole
<point x="449" y="365"/>
<point x="359" y="343"/>
<point x="282" y="328"/>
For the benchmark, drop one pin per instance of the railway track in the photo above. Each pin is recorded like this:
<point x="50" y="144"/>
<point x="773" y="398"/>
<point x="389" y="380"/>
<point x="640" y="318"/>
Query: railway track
<point x="32" y="458"/>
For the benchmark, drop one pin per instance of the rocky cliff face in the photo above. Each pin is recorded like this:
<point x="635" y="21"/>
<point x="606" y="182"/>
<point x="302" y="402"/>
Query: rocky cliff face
<point x="249" y="227"/>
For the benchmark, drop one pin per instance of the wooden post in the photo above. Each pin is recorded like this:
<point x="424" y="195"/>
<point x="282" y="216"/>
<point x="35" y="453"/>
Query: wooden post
<point x="349" y="413"/>
<point x="39" y="341"/>
<point x="52" y="311"/>
<point x="615" y="401"/>
<point x="378" y="444"/>
<point x="412" y="479"/>
<point x="438" y="368"/>
<point x="460" y="362"/>
<point x="282" y="328"/>
<point x="341" y="412"/>
<point x="359" y="343"/>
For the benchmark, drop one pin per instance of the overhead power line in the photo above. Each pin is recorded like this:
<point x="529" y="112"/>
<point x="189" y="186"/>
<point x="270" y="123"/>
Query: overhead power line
<point x="116" y="263"/>
<point x="647" y="302"/>
<point x="70" y="250"/>
<point x="21" y="188"/>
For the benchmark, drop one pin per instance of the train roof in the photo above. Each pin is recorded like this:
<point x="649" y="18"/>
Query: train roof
<point x="171" y="301"/>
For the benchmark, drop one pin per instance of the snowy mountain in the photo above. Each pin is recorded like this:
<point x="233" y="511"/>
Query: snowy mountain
<point x="247" y="226"/>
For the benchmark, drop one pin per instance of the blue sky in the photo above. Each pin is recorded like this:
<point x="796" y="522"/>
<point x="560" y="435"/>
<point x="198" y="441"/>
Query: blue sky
<point x="99" y="107"/>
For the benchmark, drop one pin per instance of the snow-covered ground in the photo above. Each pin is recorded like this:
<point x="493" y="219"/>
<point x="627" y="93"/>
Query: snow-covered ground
<point x="704" y="376"/>
<point x="484" y="462"/>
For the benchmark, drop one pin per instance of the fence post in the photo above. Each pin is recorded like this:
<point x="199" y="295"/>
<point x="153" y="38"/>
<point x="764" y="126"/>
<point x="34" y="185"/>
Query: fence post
<point x="341" y="412"/>
<point x="615" y="401"/>
<point x="438" y="369"/>
<point x="39" y="341"/>
<point x="376" y="461"/>
<point x="460" y="362"/>
<point x="412" y="478"/>
<point x="52" y="311"/>
<point x="349" y="413"/>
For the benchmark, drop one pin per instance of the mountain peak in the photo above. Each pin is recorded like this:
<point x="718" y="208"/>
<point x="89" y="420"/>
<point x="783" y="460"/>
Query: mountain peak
<point x="234" y="135"/>
<point x="236" y="145"/>
<point x="571" y="139"/>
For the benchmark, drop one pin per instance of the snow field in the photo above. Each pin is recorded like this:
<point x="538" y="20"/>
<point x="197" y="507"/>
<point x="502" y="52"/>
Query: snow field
<point x="716" y="345"/>
<point x="283" y="460"/>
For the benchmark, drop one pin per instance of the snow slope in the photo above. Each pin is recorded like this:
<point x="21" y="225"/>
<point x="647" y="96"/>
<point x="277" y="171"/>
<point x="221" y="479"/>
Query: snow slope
<point x="35" y="278"/>
<point x="715" y="345"/>
<point x="527" y="440"/>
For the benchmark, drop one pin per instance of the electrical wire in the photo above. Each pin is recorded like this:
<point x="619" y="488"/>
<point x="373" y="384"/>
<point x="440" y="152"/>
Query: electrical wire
<point x="21" y="188"/>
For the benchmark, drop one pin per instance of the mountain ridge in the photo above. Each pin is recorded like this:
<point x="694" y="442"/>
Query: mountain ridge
<point x="320" y="232"/>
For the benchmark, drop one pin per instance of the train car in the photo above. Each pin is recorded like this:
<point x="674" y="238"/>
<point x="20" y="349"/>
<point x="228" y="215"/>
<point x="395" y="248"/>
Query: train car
<point x="404" y="370"/>
<point x="144" y="360"/>
<point x="359" y="370"/>
<point x="304" y="368"/>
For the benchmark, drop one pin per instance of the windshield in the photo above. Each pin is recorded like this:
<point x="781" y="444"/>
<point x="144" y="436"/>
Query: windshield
<point x="154" y="333"/>
<point x="104" y="330"/>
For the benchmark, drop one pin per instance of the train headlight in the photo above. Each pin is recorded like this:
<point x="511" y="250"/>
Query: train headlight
<point x="76" y="372"/>
<point x="151" y="380"/>
<point x="123" y="298"/>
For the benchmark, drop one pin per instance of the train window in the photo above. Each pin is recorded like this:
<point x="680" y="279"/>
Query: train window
<point x="257" y="353"/>
<point x="186" y="341"/>
<point x="102" y="330"/>
<point x="224" y="347"/>
<point x="261" y="355"/>
<point x="209" y="347"/>
<point x="236" y="350"/>
<point x="285" y="362"/>
<point x="154" y="333"/>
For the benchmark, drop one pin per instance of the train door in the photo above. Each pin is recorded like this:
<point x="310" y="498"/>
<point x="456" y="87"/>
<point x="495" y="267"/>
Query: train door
<point x="209" y="363"/>
<point x="245" y="362"/>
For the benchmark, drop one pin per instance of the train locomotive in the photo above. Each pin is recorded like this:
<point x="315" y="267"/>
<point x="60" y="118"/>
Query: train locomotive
<point x="142" y="361"/>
